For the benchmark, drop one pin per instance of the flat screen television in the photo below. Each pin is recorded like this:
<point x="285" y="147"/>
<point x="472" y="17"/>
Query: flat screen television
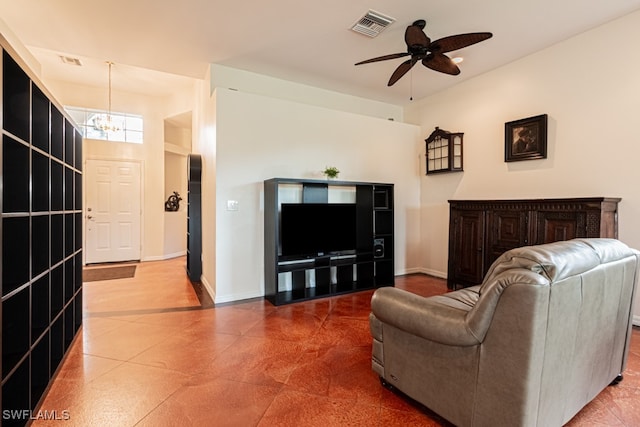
<point x="317" y="229"/>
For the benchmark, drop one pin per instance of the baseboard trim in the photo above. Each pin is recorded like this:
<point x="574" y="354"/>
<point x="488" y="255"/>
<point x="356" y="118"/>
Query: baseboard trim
<point x="407" y="271"/>
<point x="208" y="287"/>
<point x="237" y="297"/>
<point x="165" y="257"/>
<point x="220" y="299"/>
<point x="434" y="273"/>
<point x="636" y="320"/>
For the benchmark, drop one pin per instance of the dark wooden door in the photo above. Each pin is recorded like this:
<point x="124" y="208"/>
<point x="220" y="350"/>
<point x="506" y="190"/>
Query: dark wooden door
<point x="467" y="253"/>
<point x="558" y="226"/>
<point x="508" y="229"/>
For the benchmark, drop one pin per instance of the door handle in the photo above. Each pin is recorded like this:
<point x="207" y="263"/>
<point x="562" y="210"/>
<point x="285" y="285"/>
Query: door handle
<point x="89" y="217"/>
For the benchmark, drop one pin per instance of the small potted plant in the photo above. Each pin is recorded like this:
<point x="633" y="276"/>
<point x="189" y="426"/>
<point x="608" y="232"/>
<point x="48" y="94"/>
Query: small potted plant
<point x="331" y="172"/>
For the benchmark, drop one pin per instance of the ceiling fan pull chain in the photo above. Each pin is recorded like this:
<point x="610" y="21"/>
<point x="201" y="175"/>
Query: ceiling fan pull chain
<point x="411" y="86"/>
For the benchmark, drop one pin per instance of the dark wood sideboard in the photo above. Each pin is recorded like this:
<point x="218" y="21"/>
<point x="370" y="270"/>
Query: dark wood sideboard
<point x="481" y="230"/>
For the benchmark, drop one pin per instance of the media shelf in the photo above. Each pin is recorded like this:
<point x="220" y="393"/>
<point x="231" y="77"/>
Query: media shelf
<point x="41" y="232"/>
<point x="368" y="264"/>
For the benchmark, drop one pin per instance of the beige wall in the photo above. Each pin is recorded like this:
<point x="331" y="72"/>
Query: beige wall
<point x="204" y="143"/>
<point x="175" y="223"/>
<point x="259" y="137"/>
<point x="246" y="81"/>
<point x="589" y="86"/>
<point x="150" y="154"/>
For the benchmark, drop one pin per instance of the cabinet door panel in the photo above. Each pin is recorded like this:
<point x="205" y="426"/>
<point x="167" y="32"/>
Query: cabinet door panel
<point x="466" y="259"/>
<point x="508" y="230"/>
<point x="558" y="226"/>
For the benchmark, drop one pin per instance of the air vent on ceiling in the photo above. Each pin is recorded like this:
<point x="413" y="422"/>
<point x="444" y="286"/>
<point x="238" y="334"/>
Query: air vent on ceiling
<point x="372" y="23"/>
<point x="70" y="61"/>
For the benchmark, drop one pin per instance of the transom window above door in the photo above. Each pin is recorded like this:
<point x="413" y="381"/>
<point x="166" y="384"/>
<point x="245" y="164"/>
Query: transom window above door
<point x="108" y="126"/>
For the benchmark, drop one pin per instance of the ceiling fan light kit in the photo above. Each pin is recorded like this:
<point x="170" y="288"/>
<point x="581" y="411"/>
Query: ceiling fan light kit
<point x="431" y="54"/>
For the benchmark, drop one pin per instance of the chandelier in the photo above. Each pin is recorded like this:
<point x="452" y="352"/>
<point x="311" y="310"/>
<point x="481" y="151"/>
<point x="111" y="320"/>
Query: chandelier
<point x="104" y="122"/>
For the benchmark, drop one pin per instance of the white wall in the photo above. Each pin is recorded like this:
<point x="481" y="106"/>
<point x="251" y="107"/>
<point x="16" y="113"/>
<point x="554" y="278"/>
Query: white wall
<point x="204" y="143"/>
<point x="175" y="223"/>
<point x="247" y="81"/>
<point x="260" y="137"/>
<point x="150" y="154"/>
<point x="590" y="88"/>
<point x="12" y="42"/>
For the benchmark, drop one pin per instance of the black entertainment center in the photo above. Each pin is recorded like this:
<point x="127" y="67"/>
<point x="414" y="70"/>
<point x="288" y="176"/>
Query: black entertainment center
<point x="317" y="246"/>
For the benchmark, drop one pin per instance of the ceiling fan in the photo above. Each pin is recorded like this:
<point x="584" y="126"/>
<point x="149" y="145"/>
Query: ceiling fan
<point x="432" y="54"/>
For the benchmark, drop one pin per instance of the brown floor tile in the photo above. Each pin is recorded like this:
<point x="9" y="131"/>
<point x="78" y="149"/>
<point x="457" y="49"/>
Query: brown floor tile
<point x="215" y="402"/>
<point x="187" y="352"/>
<point x="292" y="408"/>
<point x="356" y="306"/>
<point x="625" y="405"/>
<point x="337" y="331"/>
<point x="149" y="355"/>
<point x="340" y="372"/>
<point x="127" y="340"/>
<point x="295" y="322"/>
<point x="230" y="320"/>
<point x="597" y="413"/>
<point x="84" y="368"/>
<point x="393" y="417"/>
<point x="121" y="397"/>
<point x="632" y="372"/>
<point x="254" y="360"/>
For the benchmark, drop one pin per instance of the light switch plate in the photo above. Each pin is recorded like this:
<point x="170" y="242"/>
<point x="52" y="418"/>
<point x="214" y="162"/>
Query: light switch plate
<point x="232" y="205"/>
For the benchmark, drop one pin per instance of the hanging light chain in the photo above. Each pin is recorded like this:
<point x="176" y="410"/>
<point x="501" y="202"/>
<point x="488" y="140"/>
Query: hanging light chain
<point x="110" y="64"/>
<point x="106" y="124"/>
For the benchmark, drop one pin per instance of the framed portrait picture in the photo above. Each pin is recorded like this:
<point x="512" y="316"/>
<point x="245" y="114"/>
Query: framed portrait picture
<point x="525" y="139"/>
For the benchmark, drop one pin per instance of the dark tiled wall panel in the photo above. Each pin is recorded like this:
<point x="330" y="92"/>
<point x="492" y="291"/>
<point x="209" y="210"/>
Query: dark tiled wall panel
<point x="41" y="153"/>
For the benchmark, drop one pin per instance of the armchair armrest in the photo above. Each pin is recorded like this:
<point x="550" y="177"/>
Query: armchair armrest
<point x="439" y="318"/>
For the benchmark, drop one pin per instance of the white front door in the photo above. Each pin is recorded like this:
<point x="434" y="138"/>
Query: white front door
<point x="112" y="212"/>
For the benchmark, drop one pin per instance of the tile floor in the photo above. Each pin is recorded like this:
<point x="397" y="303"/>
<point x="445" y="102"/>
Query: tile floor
<point x="150" y="355"/>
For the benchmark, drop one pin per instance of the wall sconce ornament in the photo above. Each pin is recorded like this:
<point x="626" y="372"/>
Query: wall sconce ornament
<point x="444" y="151"/>
<point x="173" y="202"/>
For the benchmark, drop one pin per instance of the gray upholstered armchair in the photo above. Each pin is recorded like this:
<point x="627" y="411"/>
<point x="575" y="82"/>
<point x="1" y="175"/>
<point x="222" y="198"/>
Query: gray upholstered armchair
<point x="546" y="331"/>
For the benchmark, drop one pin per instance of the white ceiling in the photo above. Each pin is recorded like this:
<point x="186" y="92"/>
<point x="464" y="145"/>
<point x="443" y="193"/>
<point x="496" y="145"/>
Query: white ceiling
<point x="299" y="40"/>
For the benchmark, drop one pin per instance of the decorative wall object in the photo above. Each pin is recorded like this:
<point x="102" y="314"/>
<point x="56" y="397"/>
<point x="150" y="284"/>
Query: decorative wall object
<point x="525" y="139"/>
<point x="444" y="151"/>
<point x="173" y="202"/>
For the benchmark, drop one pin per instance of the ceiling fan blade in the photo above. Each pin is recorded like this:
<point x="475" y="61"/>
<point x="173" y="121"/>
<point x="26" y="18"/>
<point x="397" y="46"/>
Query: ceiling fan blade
<point x="402" y="70"/>
<point x="414" y="36"/>
<point x="384" y="58"/>
<point x="441" y="62"/>
<point x="448" y="44"/>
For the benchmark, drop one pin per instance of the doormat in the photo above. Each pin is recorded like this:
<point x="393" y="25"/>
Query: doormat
<point x="108" y="273"/>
